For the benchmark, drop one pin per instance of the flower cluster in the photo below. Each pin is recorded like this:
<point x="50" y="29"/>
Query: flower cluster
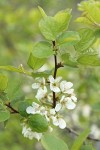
<point x="45" y="90"/>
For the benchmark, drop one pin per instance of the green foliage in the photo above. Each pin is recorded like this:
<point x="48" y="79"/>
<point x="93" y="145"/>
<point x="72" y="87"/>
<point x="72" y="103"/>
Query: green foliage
<point x="42" y="50"/>
<point x="91" y="18"/>
<point x="87" y="39"/>
<point x="3" y="82"/>
<point x="51" y="142"/>
<point x="42" y="12"/>
<point x="69" y="61"/>
<point x="89" y="60"/>
<point x="22" y="108"/>
<point x="35" y="63"/>
<point x="68" y="38"/>
<point x="63" y="18"/>
<point x="48" y="27"/>
<point x="79" y="141"/>
<point x="38" y="123"/>
<point x="51" y="27"/>
<point x="4" y="115"/>
<point x="24" y="20"/>
<point x="20" y="69"/>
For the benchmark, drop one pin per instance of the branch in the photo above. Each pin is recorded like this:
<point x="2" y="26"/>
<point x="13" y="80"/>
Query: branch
<point x="76" y="134"/>
<point x="12" y="110"/>
<point x="57" y="65"/>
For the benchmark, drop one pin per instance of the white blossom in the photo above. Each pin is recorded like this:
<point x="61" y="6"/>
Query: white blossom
<point x="66" y="87"/>
<point x="34" y="109"/>
<point x="41" y="93"/>
<point x="28" y="133"/>
<point x="54" y="83"/>
<point x="57" y="121"/>
<point x="68" y="102"/>
<point x="65" y="98"/>
<point x="39" y="84"/>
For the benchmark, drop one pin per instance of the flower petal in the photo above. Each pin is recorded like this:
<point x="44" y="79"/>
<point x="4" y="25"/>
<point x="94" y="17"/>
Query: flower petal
<point x="70" y="104"/>
<point x="52" y="111"/>
<point x="35" y="85"/>
<point x="74" y="98"/>
<point x="37" y="135"/>
<point x="58" y="79"/>
<point x="30" y="110"/>
<point x="41" y="93"/>
<point x="65" y="86"/>
<point x="55" y="121"/>
<point x="62" y="123"/>
<point x="58" y="107"/>
<point x="70" y="91"/>
<point x="51" y="79"/>
<point x="54" y="88"/>
<point x="35" y="105"/>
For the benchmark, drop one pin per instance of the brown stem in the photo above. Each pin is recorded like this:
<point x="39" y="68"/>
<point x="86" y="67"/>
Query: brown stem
<point x="12" y="110"/>
<point x="56" y="66"/>
<point x="55" y="72"/>
<point x="76" y="134"/>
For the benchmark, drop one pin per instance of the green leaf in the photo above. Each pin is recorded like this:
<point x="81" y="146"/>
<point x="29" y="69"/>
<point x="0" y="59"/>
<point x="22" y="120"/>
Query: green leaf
<point x="68" y="38"/>
<point x="89" y="60"/>
<point x="87" y="39"/>
<point x="42" y="50"/>
<point x="4" y="96"/>
<point x="3" y="82"/>
<point x="38" y="123"/>
<point x="68" y="61"/>
<point x="20" y="69"/>
<point x="87" y="147"/>
<point x="22" y="108"/>
<point x="42" y="74"/>
<point x="79" y="141"/>
<point x="83" y="20"/>
<point x="4" y="115"/>
<point x="42" y="12"/>
<point x="49" y="28"/>
<point x="97" y="33"/>
<point x="51" y="142"/>
<point x="35" y="63"/>
<point x="89" y="17"/>
<point x="63" y="18"/>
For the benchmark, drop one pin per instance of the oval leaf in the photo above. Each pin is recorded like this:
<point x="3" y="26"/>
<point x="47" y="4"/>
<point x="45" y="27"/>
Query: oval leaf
<point x="42" y="50"/>
<point x="42" y="12"/>
<point x="67" y="61"/>
<point x="89" y="60"/>
<point x="38" y="123"/>
<point x="68" y="38"/>
<point x="22" y="108"/>
<point x="49" y="28"/>
<point x="63" y="18"/>
<point x="35" y="63"/>
<point x="4" y="115"/>
<point x="51" y="142"/>
<point x="87" y="39"/>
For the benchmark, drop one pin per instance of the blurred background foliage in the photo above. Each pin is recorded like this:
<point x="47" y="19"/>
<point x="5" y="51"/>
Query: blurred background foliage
<point x="18" y="31"/>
